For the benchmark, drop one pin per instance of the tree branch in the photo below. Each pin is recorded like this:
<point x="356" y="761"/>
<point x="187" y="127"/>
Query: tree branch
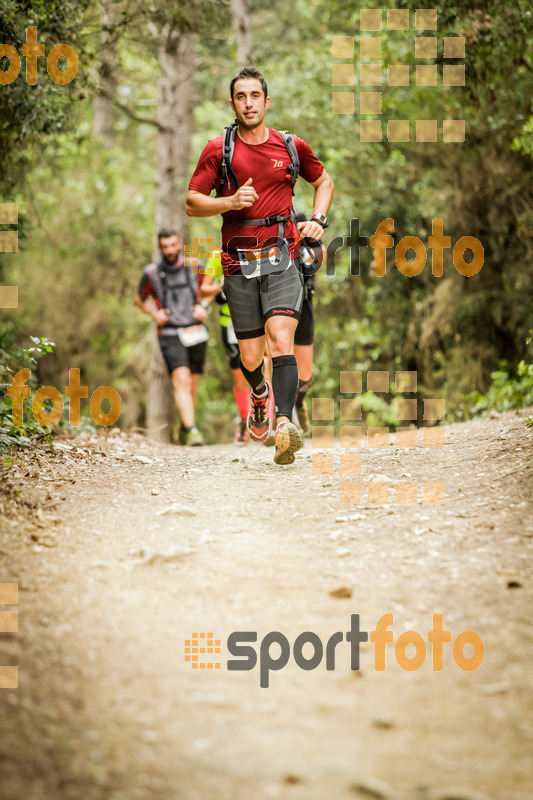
<point x="132" y="114"/>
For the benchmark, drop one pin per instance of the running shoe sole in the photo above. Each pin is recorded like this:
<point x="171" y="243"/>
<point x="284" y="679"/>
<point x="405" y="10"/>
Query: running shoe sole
<point x="288" y="441"/>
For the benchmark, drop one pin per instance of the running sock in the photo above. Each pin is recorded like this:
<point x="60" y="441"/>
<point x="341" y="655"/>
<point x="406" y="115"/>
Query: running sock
<point x="284" y="384"/>
<point x="256" y="379"/>
<point x="303" y="388"/>
<point x="243" y="402"/>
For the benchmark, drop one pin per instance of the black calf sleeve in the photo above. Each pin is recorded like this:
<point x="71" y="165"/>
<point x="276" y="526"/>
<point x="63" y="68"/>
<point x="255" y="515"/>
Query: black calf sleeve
<point x="284" y="384"/>
<point x="256" y="379"/>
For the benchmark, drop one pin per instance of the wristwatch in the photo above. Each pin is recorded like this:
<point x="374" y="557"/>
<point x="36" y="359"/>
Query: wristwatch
<point x="321" y="219"/>
<point x="204" y="304"/>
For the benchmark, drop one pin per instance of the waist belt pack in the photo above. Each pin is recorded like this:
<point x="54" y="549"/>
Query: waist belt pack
<point x="272" y="258"/>
<point x="193" y="334"/>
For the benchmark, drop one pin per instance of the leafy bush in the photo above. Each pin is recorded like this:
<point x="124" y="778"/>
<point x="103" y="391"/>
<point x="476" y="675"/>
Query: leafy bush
<point x="14" y="357"/>
<point x="506" y="392"/>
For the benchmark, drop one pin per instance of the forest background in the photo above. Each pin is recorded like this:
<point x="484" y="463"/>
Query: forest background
<point x="96" y="166"/>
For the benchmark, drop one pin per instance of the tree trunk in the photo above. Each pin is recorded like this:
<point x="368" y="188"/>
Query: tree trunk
<point x="175" y="117"/>
<point x="241" y="18"/>
<point x="107" y="74"/>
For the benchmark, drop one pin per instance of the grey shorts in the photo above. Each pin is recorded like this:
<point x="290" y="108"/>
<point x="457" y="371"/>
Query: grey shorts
<point x="254" y="300"/>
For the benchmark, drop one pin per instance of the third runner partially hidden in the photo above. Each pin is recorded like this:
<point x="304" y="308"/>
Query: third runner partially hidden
<point x="263" y="284"/>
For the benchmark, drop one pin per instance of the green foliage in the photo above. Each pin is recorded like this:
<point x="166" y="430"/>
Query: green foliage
<point x="14" y="358"/>
<point x="32" y="115"/>
<point x="509" y="389"/>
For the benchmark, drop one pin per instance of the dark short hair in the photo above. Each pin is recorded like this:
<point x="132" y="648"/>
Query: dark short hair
<point x="249" y="72"/>
<point x="166" y="233"/>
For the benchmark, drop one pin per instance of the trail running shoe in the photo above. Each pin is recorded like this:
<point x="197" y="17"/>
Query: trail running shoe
<point x="258" y="422"/>
<point x="241" y="434"/>
<point x="288" y="441"/>
<point x="303" y="418"/>
<point x="194" y="438"/>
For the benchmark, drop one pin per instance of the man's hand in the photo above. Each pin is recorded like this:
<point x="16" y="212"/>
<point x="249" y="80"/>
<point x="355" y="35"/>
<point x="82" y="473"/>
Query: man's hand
<point x="244" y="197"/>
<point x="160" y="316"/>
<point x="311" y="229"/>
<point x="199" y="313"/>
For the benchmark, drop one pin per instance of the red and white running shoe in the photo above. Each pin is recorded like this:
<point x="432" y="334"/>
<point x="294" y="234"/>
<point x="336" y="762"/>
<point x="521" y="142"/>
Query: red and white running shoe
<point x="258" y="422"/>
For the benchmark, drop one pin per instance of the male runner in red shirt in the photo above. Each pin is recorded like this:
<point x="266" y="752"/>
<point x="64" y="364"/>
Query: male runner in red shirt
<point x="264" y="302"/>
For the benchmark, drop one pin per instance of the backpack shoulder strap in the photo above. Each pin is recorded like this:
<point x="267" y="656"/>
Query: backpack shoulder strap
<point x="228" y="146"/>
<point x="293" y="153"/>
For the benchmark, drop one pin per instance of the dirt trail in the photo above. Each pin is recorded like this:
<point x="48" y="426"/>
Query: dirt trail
<point x="123" y="548"/>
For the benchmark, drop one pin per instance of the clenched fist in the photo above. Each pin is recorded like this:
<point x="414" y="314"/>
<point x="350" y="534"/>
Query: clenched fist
<point x="244" y="197"/>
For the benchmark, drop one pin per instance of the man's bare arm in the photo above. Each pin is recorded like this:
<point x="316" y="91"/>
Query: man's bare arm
<point x="323" y="187"/>
<point x="202" y="205"/>
<point x="159" y="315"/>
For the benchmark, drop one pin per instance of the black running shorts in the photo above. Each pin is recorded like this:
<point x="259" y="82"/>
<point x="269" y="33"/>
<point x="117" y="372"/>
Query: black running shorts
<point x="232" y="350"/>
<point x="252" y="301"/>
<point x="305" y="332"/>
<point x="177" y="355"/>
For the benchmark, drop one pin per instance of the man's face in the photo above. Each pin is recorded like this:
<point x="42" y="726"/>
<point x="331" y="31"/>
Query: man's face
<point x="170" y="247"/>
<point x="249" y="102"/>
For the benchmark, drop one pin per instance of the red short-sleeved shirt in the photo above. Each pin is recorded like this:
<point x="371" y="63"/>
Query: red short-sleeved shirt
<point x="267" y="165"/>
